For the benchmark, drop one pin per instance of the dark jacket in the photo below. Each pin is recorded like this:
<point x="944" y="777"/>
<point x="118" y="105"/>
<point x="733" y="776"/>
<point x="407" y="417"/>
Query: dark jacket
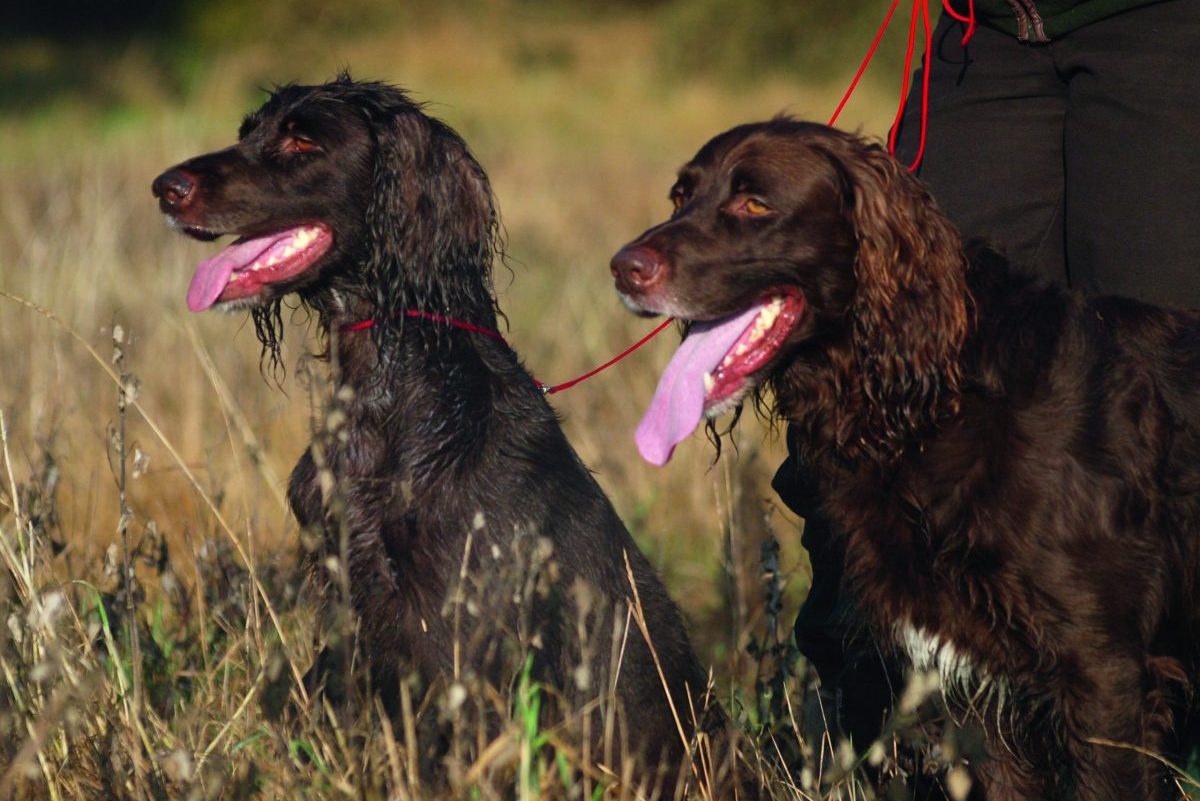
<point x="1043" y="20"/>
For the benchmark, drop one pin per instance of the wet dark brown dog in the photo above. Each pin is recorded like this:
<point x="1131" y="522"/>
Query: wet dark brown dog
<point x="443" y="449"/>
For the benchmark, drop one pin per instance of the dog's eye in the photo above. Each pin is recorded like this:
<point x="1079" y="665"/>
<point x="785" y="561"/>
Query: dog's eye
<point x="296" y="143"/>
<point x="750" y="207"/>
<point x="677" y="199"/>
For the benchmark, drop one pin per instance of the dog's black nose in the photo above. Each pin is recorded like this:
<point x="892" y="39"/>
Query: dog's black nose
<point x="173" y="188"/>
<point x="638" y="268"/>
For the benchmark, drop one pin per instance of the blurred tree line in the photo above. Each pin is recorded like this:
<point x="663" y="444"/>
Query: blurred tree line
<point x="727" y="40"/>
<point x="744" y="39"/>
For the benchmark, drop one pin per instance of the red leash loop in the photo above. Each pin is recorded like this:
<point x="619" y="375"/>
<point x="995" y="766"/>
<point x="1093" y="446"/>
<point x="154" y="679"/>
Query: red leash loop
<point x="546" y="389"/>
<point x="969" y="19"/>
<point x="920" y="13"/>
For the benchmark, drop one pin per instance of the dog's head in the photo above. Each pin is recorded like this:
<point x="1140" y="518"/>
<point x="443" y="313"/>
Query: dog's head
<point x="347" y="186"/>
<point x="793" y="245"/>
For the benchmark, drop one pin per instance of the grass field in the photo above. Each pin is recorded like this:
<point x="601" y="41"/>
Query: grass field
<point x="169" y="682"/>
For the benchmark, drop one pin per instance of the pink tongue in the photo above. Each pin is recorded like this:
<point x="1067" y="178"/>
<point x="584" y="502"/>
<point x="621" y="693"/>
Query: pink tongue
<point x="678" y="403"/>
<point x="212" y="274"/>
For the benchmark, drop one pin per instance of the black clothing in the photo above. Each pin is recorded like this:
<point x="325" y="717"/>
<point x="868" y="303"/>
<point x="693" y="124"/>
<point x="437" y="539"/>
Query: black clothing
<point x="1076" y="157"/>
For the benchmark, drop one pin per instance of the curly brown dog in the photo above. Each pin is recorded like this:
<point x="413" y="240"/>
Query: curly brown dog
<point x="1014" y="470"/>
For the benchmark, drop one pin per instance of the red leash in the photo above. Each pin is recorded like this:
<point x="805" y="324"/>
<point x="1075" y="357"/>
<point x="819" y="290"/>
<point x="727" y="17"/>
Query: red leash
<point x="610" y="362"/>
<point x="920" y="12"/>
<point x="546" y="389"/>
<point x="435" y="318"/>
<point x="866" y="60"/>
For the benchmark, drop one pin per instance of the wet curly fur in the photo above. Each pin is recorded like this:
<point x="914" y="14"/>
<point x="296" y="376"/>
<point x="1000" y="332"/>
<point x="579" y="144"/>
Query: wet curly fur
<point x="1012" y="470"/>
<point x="440" y="454"/>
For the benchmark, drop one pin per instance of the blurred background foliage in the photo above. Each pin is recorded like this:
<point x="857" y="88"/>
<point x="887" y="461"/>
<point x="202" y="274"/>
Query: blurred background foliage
<point x="67" y="51"/>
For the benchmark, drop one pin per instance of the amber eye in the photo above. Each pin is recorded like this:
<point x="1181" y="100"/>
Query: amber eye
<point x="295" y="143"/>
<point x="754" y="207"/>
<point x="677" y="200"/>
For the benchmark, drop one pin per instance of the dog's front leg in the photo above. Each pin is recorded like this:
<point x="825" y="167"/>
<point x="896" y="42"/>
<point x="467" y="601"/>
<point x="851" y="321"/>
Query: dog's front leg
<point x="1104" y="714"/>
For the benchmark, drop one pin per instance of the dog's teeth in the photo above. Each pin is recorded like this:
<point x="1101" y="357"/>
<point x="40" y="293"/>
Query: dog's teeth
<point x="709" y="382"/>
<point x="757" y="334"/>
<point x="271" y="262"/>
<point x="288" y="251"/>
<point x="742" y="349"/>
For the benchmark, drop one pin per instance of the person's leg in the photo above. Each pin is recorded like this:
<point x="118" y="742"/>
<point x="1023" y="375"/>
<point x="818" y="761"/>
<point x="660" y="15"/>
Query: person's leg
<point x="856" y="680"/>
<point x="1133" y="176"/>
<point x="993" y="154"/>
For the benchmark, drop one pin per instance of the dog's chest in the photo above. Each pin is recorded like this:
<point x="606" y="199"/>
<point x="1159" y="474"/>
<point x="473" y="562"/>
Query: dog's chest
<point x="959" y="671"/>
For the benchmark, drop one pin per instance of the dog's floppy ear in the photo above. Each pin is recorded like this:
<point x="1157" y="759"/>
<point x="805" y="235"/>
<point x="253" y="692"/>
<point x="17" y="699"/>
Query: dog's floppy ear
<point x="432" y="221"/>
<point x="910" y="311"/>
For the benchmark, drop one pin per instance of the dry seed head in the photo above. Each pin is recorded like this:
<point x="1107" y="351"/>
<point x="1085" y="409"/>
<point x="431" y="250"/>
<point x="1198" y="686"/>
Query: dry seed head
<point x="112" y="561"/>
<point x="42" y="672"/>
<point x="919" y="688"/>
<point x="326" y="482"/>
<point x="583" y="677"/>
<point x="46" y="611"/>
<point x="141" y="462"/>
<point x="958" y="783"/>
<point x="846" y="755"/>
<point x="455" y="696"/>
<point x="179" y="766"/>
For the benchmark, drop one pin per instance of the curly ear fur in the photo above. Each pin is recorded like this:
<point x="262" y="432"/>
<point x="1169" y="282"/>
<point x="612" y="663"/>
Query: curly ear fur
<point x="911" y="309"/>
<point x="432" y="224"/>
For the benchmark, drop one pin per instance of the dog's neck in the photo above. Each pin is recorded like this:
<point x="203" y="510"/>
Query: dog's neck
<point x="409" y="377"/>
<point x="370" y="344"/>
